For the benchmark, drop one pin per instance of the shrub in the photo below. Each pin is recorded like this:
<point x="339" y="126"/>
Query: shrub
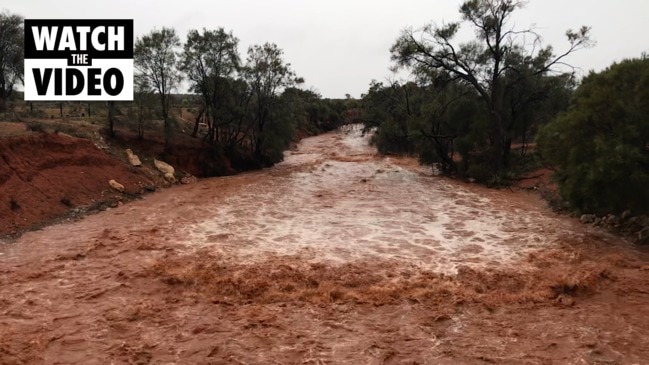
<point x="35" y="127"/>
<point x="601" y="144"/>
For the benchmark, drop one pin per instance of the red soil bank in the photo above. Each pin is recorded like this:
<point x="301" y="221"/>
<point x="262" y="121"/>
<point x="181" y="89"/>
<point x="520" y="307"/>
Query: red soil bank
<point x="44" y="176"/>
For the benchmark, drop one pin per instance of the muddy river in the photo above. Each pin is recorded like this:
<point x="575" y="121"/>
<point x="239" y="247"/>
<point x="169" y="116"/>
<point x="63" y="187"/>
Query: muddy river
<point x="335" y="200"/>
<point x="336" y="255"/>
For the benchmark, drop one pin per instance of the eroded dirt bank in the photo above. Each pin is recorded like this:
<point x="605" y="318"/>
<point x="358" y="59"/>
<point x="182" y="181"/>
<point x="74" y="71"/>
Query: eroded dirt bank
<point x="43" y="176"/>
<point x="336" y="256"/>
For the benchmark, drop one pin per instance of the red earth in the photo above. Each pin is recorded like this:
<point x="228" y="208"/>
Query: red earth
<point x="45" y="176"/>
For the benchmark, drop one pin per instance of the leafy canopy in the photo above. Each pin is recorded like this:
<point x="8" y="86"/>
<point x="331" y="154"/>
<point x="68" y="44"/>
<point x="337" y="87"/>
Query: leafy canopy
<point x="601" y="145"/>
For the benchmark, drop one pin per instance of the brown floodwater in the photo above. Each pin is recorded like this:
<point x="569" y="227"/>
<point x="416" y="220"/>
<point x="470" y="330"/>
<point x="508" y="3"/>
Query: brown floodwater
<point x="334" y="200"/>
<point x="335" y="255"/>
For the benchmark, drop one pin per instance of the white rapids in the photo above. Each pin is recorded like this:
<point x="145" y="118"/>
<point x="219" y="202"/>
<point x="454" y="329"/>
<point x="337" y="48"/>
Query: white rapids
<point x="334" y="199"/>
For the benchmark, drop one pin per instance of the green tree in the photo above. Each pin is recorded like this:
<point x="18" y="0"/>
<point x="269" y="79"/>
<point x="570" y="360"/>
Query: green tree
<point x="142" y="102"/>
<point x="155" y="60"/>
<point x="600" y="146"/>
<point x="427" y="118"/>
<point x="494" y="64"/>
<point x="313" y="114"/>
<point x="235" y="113"/>
<point x="209" y="58"/>
<point x="388" y="109"/>
<point x="444" y="112"/>
<point x="11" y="55"/>
<point x="268" y="76"/>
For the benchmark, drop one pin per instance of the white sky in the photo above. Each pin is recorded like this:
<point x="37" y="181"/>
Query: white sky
<point x="340" y="46"/>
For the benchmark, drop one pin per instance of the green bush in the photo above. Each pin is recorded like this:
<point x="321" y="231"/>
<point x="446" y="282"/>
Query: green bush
<point x="601" y="144"/>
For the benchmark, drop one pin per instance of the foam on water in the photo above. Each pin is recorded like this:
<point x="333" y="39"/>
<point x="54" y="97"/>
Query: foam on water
<point x="339" y="202"/>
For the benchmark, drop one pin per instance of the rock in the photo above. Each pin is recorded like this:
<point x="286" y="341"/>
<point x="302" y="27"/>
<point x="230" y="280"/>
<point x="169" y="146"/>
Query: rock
<point x="588" y="218"/>
<point x="64" y="134"/>
<point x="166" y="169"/>
<point x="163" y="167"/>
<point x="643" y="221"/>
<point x="188" y="180"/>
<point x="100" y="143"/>
<point x="565" y="301"/>
<point x="625" y="215"/>
<point x="612" y="220"/>
<point x="170" y="177"/>
<point x="132" y="158"/>
<point x="117" y="186"/>
<point x="643" y="236"/>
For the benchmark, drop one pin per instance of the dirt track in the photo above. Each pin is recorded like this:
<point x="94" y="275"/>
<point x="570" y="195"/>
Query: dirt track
<point x="336" y="256"/>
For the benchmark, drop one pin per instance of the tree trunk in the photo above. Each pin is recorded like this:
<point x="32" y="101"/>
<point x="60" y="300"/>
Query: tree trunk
<point x="497" y="148"/>
<point x="448" y="165"/>
<point x="165" y="117"/>
<point x="111" y="120"/>
<point x="197" y="122"/>
<point x="140" y="122"/>
<point x="257" y="152"/>
<point x="507" y="148"/>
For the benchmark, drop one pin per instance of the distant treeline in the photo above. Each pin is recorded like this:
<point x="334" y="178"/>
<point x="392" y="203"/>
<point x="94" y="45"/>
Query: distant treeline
<point x="251" y="108"/>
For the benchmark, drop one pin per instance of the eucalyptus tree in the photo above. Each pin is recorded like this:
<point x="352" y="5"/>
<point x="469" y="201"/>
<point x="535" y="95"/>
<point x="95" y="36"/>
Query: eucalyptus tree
<point x="268" y="75"/>
<point x="494" y="64"/>
<point x="11" y="55"/>
<point x="209" y="58"/>
<point x="155" y="62"/>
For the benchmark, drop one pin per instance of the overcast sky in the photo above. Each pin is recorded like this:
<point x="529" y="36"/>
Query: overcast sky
<point x="339" y="46"/>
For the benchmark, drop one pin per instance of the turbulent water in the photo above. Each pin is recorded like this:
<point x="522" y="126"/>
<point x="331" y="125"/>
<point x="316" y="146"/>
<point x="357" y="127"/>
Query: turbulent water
<point x="335" y="256"/>
<point x="335" y="200"/>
